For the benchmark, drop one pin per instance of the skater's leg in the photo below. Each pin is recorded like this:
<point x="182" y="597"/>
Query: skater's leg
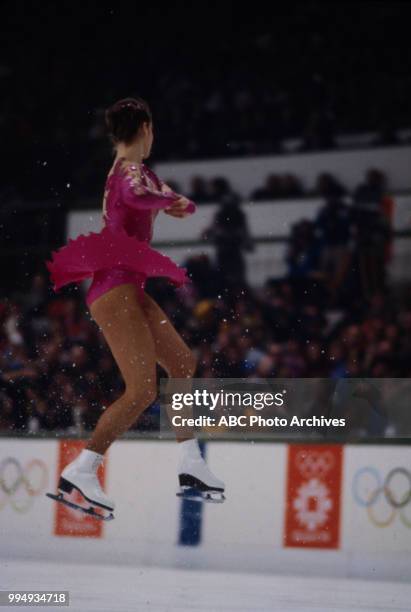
<point x="120" y="316"/>
<point x="122" y="320"/>
<point x="178" y="361"/>
<point x="173" y="354"/>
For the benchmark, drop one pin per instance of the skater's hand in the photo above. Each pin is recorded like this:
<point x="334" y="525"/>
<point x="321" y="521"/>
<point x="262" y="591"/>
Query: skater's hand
<point x="179" y="208"/>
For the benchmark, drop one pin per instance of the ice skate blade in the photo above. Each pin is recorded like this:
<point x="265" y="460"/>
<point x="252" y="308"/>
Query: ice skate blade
<point x="65" y="486"/>
<point x="90" y="511"/>
<point x="210" y="497"/>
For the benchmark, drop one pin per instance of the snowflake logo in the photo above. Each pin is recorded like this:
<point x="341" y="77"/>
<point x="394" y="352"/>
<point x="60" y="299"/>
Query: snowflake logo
<point x="312" y="504"/>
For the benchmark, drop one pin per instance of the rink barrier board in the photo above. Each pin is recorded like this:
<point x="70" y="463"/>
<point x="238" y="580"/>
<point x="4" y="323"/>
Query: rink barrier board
<point x="269" y="522"/>
<point x="268" y="257"/>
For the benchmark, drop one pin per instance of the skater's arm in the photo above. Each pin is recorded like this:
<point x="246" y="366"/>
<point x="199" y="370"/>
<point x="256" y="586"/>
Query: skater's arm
<point x="140" y="197"/>
<point x="163" y="187"/>
<point x="190" y="207"/>
<point x="137" y="195"/>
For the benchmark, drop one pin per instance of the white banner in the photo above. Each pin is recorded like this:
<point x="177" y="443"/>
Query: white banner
<point x="247" y="532"/>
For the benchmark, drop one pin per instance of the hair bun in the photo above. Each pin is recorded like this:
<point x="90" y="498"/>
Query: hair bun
<point x="125" y="118"/>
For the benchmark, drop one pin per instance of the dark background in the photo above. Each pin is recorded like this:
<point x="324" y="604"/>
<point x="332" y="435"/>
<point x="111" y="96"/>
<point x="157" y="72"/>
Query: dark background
<point x="310" y="68"/>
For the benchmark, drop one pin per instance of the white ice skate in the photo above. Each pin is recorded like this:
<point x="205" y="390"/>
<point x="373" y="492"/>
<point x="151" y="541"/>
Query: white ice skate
<point x="197" y="482"/>
<point x="83" y="478"/>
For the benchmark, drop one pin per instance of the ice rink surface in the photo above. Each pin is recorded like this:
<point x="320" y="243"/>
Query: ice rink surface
<point x="103" y="588"/>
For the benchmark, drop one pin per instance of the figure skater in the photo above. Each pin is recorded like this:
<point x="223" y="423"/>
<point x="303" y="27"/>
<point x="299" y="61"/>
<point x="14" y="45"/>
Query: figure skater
<point x="138" y="332"/>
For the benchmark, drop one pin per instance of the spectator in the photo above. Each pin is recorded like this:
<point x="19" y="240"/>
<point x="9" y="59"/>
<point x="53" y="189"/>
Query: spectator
<point x="220" y="189"/>
<point x="291" y="186"/>
<point x="327" y="186"/>
<point x="230" y="234"/>
<point x="303" y="250"/>
<point x="271" y="190"/>
<point x="279" y="186"/>
<point x="333" y="227"/>
<point x="199" y="191"/>
<point x="372" y="232"/>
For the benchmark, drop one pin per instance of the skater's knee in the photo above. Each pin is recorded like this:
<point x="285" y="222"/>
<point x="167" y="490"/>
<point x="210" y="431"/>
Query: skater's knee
<point x="140" y="396"/>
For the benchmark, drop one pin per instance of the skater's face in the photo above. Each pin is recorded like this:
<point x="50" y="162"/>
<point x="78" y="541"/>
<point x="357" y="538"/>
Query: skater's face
<point x="148" y="137"/>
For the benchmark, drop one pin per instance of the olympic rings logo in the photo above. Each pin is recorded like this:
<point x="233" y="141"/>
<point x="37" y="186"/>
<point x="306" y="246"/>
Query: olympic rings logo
<point x="20" y="485"/>
<point x="383" y="499"/>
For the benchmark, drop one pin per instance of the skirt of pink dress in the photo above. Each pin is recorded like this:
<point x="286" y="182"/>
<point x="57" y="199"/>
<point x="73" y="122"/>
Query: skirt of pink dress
<point x="110" y="257"/>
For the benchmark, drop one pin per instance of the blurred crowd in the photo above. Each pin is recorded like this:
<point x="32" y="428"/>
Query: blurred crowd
<point x="56" y="371"/>
<point x="275" y="187"/>
<point x="278" y="187"/>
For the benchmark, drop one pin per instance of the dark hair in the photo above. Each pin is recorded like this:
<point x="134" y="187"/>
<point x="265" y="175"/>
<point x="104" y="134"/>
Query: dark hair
<point x="125" y="117"/>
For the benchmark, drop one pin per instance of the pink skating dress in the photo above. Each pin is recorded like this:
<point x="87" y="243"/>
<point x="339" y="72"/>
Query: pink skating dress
<point x="120" y="252"/>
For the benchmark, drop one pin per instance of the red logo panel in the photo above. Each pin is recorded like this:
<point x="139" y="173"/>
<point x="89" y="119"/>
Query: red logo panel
<point x="67" y="521"/>
<point x="312" y="514"/>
